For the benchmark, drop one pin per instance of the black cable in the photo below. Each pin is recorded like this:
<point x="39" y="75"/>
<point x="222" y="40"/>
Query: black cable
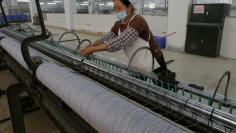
<point x="2" y="92"/>
<point x="5" y="120"/>
<point x="227" y="73"/>
<point x="81" y="42"/>
<point x="142" y="48"/>
<point x="68" y="32"/>
<point x="170" y="61"/>
<point x="37" y="29"/>
<point x="25" y="42"/>
<point x="212" y="112"/>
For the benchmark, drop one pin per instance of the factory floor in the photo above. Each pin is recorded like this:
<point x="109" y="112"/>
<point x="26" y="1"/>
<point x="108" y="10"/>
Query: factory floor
<point x="200" y="70"/>
<point x="35" y="122"/>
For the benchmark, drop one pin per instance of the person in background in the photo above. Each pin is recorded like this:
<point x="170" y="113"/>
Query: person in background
<point x="130" y="33"/>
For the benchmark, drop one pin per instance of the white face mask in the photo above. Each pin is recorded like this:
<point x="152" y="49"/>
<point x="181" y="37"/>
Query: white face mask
<point x="121" y="15"/>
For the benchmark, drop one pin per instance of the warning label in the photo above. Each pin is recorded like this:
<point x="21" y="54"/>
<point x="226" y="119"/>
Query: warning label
<point x="199" y="9"/>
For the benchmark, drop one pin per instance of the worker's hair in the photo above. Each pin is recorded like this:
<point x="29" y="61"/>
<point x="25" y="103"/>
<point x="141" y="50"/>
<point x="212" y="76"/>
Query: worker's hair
<point x="127" y="3"/>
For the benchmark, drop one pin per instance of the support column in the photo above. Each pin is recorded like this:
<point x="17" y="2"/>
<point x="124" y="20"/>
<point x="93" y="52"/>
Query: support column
<point x="14" y="3"/>
<point x="178" y="14"/>
<point x="139" y="6"/>
<point x="5" y="6"/>
<point x="90" y="7"/>
<point x="70" y="9"/>
<point x="33" y="9"/>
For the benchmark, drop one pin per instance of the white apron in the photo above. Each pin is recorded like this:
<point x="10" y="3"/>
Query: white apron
<point x="143" y="59"/>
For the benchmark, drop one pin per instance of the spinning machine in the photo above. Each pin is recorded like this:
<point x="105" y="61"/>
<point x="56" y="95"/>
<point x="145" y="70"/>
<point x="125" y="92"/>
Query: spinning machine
<point x="98" y="95"/>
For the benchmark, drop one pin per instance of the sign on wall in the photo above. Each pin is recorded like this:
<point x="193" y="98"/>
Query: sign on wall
<point x="199" y="9"/>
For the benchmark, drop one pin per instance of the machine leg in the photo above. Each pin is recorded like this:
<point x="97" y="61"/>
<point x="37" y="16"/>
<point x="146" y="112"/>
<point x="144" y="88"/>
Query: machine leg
<point x="2" y="66"/>
<point x="17" y="117"/>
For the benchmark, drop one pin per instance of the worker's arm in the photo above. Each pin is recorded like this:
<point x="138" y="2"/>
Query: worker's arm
<point x="108" y="36"/>
<point x="113" y="45"/>
<point x="90" y="50"/>
<point x="96" y="43"/>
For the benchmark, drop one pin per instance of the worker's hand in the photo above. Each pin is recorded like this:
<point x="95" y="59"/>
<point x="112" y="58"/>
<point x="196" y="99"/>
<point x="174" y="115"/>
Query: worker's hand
<point x="84" y="48"/>
<point x="87" y="51"/>
<point x="87" y="46"/>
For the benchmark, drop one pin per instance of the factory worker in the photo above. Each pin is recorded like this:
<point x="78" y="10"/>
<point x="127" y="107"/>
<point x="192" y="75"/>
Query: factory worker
<point x="130" y="33"/>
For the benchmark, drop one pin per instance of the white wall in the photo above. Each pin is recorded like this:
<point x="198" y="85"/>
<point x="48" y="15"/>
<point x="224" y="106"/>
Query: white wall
<point x="56" y="20"/>
<point x="178" y="12"/>
<point x="228" y="45"/>
<point x="103" y="23"/>
<point x="157" y="24"/>
<point x="233" y="2"/>
<point x="93" y="22"/>
<point x="70" y="9"/>
<point x="233" y="11"/>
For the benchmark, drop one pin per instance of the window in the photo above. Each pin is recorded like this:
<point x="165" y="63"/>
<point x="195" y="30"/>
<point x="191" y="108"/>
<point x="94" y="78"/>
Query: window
<point x="149" y="7"/>
<point x="103" y="7"/>
<point x="22" y="8"/>
<point x="82" y="6"/>
<point x="136" y="5"/>
<point x="155" y="7"/>
<point x="52" y="6"/>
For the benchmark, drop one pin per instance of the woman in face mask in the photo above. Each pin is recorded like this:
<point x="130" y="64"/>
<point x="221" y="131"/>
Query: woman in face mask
<point x="130" y="33"/>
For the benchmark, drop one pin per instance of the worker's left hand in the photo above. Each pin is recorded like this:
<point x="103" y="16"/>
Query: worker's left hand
<point x="87" y="51"/>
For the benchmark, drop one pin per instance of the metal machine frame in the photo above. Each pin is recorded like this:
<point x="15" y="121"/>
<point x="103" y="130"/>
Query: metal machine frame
<point x="151" y="94"/>
<point x="65" y="119"/>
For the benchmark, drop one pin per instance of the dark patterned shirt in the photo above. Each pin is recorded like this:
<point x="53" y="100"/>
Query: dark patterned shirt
<point x="119" y="42"/>
<point x="108" y="36"/>
<point x="138" y="27"/>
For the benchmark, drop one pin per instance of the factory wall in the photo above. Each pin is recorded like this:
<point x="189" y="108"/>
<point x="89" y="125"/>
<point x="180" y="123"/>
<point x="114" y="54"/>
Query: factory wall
<point x="228" y="41"/>
<point x="56" y="20"/>
<point x="102" y="23"/>
<point x="178" y="12"/>
<point x="233" y="11"/>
